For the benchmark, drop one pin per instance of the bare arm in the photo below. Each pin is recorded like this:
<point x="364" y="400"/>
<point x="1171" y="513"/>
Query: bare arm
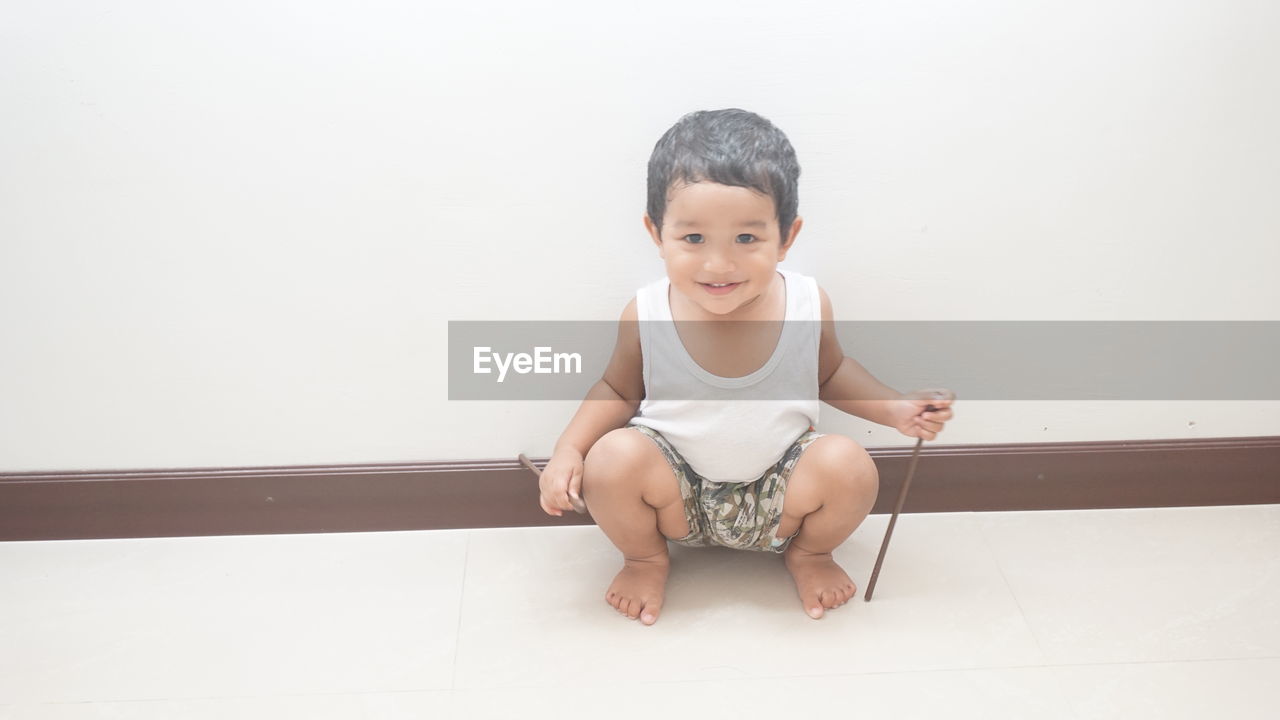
<point x="613" y="400"/>
<point x="844" y="384"/>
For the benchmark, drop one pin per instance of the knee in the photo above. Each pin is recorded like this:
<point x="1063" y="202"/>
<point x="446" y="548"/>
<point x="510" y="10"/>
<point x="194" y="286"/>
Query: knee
<point x="849" y="464"/>
<point x="616" y="457"/>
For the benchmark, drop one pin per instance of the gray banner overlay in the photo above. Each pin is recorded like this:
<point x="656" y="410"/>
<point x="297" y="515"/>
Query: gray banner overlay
<point x="979" y="360"/>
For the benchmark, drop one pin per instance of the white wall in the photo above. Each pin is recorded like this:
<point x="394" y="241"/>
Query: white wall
<point x="233" y="233"/>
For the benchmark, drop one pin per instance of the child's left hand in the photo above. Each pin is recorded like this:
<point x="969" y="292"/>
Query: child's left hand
<point x="914" y="417"/>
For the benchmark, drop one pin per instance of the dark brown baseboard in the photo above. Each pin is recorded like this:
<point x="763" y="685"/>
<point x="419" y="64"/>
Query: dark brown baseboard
<point x="500" y="493"/>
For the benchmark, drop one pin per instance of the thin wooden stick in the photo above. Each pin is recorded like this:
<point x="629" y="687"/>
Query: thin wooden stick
<point x="902" y="496"/>
<point x="579" y="506"/>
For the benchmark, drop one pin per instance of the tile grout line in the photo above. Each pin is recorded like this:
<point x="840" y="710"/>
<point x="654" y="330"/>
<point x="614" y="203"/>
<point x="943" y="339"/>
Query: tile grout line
<point x="995" y="557"/>
<point x="982" y="668"/>
<point x="1023" y="613"/>
<point x="462" y="596"/>
<point x="594" y="686"/>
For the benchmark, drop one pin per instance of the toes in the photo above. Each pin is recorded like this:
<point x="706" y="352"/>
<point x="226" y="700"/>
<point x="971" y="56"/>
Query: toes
<point x="649" y="615"/>
<point x="813" y="605"/>
<point x="832" y="599"/>
<point x="635" y="608"/>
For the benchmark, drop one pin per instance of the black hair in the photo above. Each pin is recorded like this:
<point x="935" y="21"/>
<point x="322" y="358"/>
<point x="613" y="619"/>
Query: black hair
<point x="730" y="147"/>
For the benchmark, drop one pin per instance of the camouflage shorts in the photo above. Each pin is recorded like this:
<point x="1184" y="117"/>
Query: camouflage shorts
<point x="743" y="516"/>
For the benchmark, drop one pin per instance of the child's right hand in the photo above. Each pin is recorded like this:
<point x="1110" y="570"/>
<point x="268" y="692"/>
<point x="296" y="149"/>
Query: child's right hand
<point x="561" y="478"/>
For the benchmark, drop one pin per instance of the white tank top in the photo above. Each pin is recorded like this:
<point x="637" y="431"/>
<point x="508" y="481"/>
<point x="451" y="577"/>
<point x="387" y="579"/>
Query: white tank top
<point x="730" y="429"/>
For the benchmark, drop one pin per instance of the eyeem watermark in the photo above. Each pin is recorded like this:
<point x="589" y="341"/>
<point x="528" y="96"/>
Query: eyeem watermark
<point x="541" y="362"/>
<point x="979" y="360"/>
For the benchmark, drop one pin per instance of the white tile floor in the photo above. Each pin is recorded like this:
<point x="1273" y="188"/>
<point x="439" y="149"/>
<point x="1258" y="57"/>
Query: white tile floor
<point x="1169" y="613"/>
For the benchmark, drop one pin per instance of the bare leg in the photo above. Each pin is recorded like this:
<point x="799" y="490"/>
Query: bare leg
<point x="632" y="493"/>
<point x="833" y="487"/>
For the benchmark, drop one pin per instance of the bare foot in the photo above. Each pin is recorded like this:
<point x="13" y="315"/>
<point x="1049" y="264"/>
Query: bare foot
<point x="819" y="580"/>
<point x="638" y="588"/>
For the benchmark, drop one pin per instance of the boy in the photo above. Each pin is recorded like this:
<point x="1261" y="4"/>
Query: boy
<point x="704" y="461"/>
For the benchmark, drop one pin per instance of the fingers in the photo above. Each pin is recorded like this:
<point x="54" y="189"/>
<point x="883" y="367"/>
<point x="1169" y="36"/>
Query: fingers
<point x="543" y="502"/>
<point x="554" y="499"/>
<point x="554" y="493"/>
<point x="575" y="490"/>
<point x="929" y="424"/>
<point x="920" y="432"/>
<point x="560" y="500"/>
<point x="575" y="482"/>
<point x="560" y="486"/>
<point x="561" y="497"/>
<point x="934" y="419"/>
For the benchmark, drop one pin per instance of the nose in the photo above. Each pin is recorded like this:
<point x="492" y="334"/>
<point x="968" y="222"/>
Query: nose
<point x="718" y="262"/>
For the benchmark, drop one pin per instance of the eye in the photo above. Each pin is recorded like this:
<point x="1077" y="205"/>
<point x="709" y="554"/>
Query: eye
<point x="749" y="238"/>
<point x="694" y="238"/>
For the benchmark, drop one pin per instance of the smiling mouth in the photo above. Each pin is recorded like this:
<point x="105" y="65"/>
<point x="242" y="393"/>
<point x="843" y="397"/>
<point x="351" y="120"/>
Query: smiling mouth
<point x="720" y="288"/>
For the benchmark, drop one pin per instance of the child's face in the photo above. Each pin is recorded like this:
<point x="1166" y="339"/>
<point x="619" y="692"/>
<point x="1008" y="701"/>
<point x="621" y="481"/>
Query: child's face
<point x="715" y="233"/>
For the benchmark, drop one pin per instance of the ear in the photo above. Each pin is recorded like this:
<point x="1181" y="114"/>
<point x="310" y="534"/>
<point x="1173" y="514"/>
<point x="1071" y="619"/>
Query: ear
<point x="654" y="232"/>
<point x="791" y="238"/>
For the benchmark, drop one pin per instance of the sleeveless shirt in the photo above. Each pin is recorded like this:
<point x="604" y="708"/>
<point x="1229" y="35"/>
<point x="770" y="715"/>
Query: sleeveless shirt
<point x="730" y="429"/>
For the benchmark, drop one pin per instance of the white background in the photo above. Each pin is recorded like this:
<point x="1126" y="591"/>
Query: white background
<point x="234" y="233"/>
